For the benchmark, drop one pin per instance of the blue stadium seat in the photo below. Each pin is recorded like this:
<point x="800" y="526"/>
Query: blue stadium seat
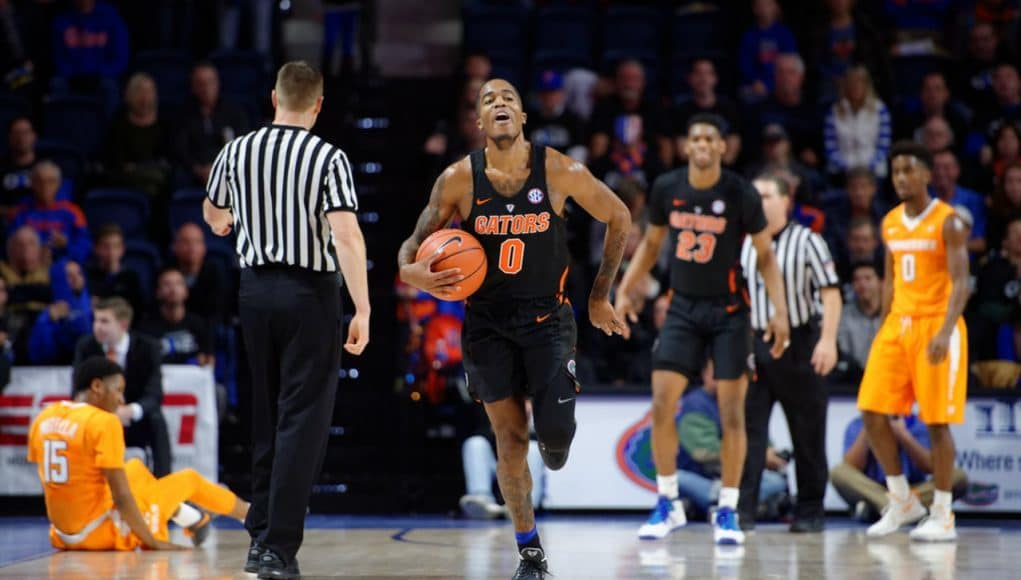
<point x="79" y="120"/>
<point x="495" y="28"/>
<point x="243" y="75"/>
<point x="908" y="71"/>
<point x="67" y="156"/>
<point x="564" y="32"/>
<point x="128" y="208"/>
<point x="11" y="107"/>
<point x="696" y="30"/>
<point x="143" y="257"/>
<point x="170" y="69"/>
<point x="631" y="31"/>
<point x="186" y="206"/>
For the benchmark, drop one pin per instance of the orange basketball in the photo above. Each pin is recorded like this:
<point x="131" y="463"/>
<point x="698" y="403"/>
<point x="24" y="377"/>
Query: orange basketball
<point x="459" y="249"/>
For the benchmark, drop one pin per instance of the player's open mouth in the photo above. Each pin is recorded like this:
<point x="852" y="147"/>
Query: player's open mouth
<point x="502" y="117"/>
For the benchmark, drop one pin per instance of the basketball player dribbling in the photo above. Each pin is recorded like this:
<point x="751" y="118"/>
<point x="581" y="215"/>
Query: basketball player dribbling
<point x="708" y="211"/>
<point x="519" y="331"/>
<point x="920" y="353"/>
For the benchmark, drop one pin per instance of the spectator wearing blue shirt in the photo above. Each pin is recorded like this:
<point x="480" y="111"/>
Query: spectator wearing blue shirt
<point x="860" y="479"/>
<point x="915" y="20"/>
<point x="760" y="46"/>
<point x="90" y="47"/>
<point x="60" y="224"/>
<point x="698" y="455"/>
<point x="945" y="173"/>
<point x="58" y="327"/>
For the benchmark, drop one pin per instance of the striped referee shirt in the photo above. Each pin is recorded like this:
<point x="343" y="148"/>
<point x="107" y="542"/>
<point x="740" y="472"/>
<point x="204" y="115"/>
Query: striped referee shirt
<point x="280" y="181"/>
<point x="806" y="266"/>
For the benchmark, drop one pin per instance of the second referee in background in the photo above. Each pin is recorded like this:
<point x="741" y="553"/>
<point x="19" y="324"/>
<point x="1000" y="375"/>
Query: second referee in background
<point x="794" y="379"/>
<point x="291" y="197"/>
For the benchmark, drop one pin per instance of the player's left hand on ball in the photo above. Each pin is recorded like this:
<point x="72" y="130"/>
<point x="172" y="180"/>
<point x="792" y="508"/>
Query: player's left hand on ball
<point x="938" y="347"/>
<point x="824" y="357"/>
<point x="603" y="317"/>
<point x="780" y="333"/>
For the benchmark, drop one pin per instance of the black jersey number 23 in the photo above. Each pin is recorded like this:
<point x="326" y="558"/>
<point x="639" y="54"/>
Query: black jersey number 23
<point x="692" y="247"/>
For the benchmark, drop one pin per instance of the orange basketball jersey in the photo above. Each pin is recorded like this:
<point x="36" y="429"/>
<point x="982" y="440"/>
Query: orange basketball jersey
<point x="72" y="443"/>
<point x="921" y="283"/>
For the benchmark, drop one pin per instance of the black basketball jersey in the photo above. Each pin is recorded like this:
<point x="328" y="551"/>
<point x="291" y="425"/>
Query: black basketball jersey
<point x="524" y="239"/>
<point x="707" y="228"/>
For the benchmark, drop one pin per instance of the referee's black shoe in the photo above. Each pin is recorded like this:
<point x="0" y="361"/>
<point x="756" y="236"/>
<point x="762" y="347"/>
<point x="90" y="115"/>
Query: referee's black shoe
<point x="273" y="567"/>
<point x="254" y="553"/>
<point x="807" y="524"/>
<point x="554" y="460"/>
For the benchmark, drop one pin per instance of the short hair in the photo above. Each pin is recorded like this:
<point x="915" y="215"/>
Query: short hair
<point x="47" y="165"/>
<point x="871" y="264"/>
<point x="859" y="173"/>
<point x="783" y="187"/>
<point x="167" y="269"/>
<point x="17" y="119"/>
<point x="92" y="368"/>
<point x="799" y="63"/>
<point x="861" y="221"/>
<point x="119" y="306"/>
<point x="107" y="230"/>
<point x="204" y="63"/>
<point x="299" y="85"/>
<point x="710" y="119"/>
<point x="914" y="149"/>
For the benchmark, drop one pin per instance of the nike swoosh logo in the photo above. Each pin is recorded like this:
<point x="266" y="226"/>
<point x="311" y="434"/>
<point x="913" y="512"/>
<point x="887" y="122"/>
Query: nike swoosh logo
<point x="457" y="239"/>
<point x="483" y="201"/>
<point x="567" y="400"/>
<point x="541" y="319"/>
<point x="678" y="202"/>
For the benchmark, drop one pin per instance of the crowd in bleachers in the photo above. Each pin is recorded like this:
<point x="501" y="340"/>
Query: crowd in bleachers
<point x="113" y="113"/>
<point x="815" y="94"/>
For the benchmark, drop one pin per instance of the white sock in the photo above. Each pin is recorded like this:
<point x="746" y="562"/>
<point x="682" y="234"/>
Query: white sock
<point x="898" y="486"/>
<point x="941" y="501"/>
<point x="667" y="485"/>
<point x="186" y="516"/>
<point x="728" y="497"/>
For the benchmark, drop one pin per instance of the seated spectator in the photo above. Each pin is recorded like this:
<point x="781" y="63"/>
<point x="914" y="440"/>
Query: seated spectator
<point x="759" y="48"/>
<point x="860" y="480"/>
<point x="207" y="124"/>
<point x="934" y="100"/>
<point x="702" y="81"/>
<point x="789" y="107"/>
<point x="698" y="455"/>
<point x="207" y="285"/>
<point x="60" y="224"/>
<point x="184" y="336"/>
<point x="995" y="307"/>
<point x="975" y="74"/>
<point x="847" y="37"/>
<point x="858" y="201"/>
<point x="946" y="172"/>
<point x="16" y="67"/>
<point x="1005" y="206"/>
<point x="862" y="245"/>
<point x="90" y="47"/>
<point x="551" y="124"/>
<point x="858" y="129"/>
<point x="1004" y="108"/>
<point x="1003" y="151"/>
<point x="859" y="321"/>
<point x="138" y="139"/>
<point x="778" y="157"/>
<point x="58" y="328"/>
<point x="106" y="275"/>
<point x="452" y="143"/>
<point x="27" y="274"/>
<point x="625" y="130"/>
<point x="936" y="134"/>
<point x="16" y="166"/>
<point x="142" y="410"/>
<point x="478" y="456"/>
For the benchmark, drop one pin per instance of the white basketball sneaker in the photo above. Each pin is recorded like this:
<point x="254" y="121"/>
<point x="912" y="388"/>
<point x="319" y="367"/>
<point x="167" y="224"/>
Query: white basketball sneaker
<point x="938" y="527"/>
<point x="666" y="517"/>
<point x="899" y="512"/>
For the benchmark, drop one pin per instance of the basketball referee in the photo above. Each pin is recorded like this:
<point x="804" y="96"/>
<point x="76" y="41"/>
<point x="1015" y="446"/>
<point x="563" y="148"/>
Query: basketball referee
<point x="794" y="379"/>
<point x="291" y="197"/>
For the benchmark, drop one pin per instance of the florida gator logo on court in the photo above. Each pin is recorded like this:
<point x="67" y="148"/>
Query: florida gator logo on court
<point x="634" y="454"/>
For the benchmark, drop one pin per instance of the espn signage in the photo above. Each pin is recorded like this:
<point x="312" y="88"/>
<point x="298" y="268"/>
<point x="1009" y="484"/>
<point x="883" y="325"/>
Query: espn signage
<point x="188" y="406"/>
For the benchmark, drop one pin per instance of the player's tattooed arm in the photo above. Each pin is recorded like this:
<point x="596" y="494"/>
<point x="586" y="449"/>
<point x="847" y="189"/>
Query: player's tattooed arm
<point x="447" y="193"/>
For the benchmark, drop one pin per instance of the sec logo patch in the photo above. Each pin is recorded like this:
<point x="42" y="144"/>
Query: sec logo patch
<point x="535" y="195"/>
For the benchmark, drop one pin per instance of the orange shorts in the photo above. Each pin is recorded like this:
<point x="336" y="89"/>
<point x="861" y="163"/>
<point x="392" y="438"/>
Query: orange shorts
<point x="898" y="371"/>
<point x="157" y="508"/>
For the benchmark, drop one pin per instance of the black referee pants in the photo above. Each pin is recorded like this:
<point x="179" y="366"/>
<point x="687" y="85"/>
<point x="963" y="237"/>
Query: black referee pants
<point x="790" y="381"/>
<point x="291" y="322"/>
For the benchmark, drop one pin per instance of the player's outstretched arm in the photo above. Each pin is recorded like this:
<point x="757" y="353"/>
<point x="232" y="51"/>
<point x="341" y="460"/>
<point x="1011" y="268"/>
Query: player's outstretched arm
<point x="572" y="178"/>
<point x="125" y="503"/>
<point x="779" y="328"/>
<point x="452" y="186"/>
<point x="955" y="239"/>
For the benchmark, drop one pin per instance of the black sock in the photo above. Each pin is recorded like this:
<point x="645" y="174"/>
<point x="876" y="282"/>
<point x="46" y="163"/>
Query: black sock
<point x="527" y="540"/>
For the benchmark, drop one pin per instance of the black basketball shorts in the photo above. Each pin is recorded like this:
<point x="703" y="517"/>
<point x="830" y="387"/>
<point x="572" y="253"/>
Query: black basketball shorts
<point x="697" y="328"/>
